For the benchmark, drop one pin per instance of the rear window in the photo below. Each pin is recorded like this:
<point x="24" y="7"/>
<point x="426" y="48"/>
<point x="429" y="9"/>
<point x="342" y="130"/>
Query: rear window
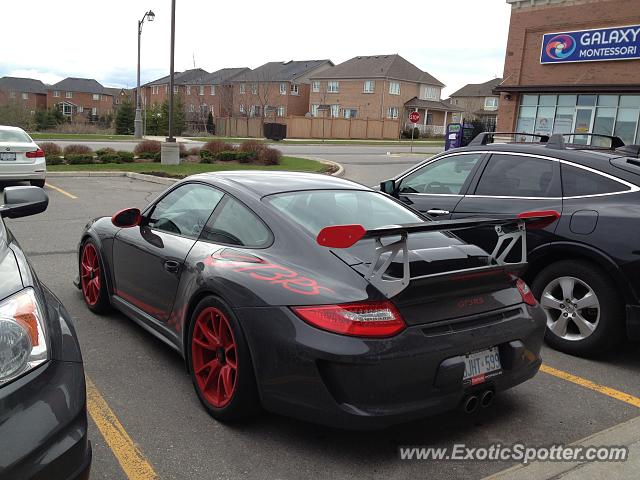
<point x="14" y="136"/>
<point x="578" y="181"/>
<point x="518" y="176"/>
<point x="315" y="209"/>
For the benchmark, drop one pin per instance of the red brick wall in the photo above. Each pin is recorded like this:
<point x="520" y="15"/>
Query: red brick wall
<point x="33" y="102"/>
<point x="85" y="100"/>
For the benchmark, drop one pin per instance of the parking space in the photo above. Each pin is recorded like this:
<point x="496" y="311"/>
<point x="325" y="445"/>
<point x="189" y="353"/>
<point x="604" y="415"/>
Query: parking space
<point x="141" y="385"/>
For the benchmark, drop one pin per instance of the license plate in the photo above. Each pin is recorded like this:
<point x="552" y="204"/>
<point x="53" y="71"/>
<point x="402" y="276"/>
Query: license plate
<point x="481" y="366"/>
<point x="7" y="157"/>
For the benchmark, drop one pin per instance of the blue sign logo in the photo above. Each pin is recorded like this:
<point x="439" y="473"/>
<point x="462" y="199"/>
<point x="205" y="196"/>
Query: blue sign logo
<point x="615" y="43"/>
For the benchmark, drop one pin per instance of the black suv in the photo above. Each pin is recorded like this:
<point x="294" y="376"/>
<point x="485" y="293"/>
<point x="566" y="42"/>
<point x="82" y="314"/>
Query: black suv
<point x="585" y="268"/>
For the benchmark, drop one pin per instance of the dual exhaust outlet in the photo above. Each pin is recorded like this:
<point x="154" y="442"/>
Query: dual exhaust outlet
<point x="471" y="403"/>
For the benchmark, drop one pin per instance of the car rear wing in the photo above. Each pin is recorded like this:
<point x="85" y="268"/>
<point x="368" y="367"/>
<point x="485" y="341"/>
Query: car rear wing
<point x="510" y="233"/>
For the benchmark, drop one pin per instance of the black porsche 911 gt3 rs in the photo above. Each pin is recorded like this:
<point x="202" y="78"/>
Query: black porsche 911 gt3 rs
<point x="318" y="298"/>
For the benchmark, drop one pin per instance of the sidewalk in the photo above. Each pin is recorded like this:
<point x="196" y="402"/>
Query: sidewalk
<point x="624" y="434"/>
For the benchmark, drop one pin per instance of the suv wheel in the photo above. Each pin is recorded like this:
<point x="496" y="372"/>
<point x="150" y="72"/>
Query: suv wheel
<point x="585" y="314"/>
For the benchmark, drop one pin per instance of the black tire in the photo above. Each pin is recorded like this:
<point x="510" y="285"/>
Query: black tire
<point x="102" y="303"/>
<point x="609" y="331"/>
<point x="37" y="183"/>
<point x="244" y="401"/>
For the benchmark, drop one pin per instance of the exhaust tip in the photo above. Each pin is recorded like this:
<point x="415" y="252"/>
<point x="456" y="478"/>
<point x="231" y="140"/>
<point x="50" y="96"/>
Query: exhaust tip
<point x="486" y="399"/>
<point x="470" y="404"/>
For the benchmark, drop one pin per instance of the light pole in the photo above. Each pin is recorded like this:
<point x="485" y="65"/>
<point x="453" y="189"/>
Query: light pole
<point x="170" y="149"/>
<point x="137" y="123"/>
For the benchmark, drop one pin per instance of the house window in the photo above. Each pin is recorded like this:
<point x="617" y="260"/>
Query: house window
<point x="67" y="110"/>
<point x="432" y="93"/>
<point x="155" y="89"/>
<point x="242" y="109"/>
<point x="12" y="94"/>
<point x="80" y="109"/>
<point x="201" y="89"/>
<point x="314" y="110"/>
<point x="175" y="89"/>
<point x="117" y="101"/>
<point x="333" y="87"/>
<point x="96" y="96"/>
<point x="94" y="111"/>
<point x="349" y="113"/>
<point x="192" y="108"/>
<point x="25" y="96"/>
<point x="255" y="111"/>
<point x="68" y="94"/>
<point x="188" y="89"/>
<point x="392" y="112"/>
<point x="254" y="88"/>
<point x="281" y="111"/>
<point x="283" y="88"/>
<point x="394" y="88"/>
<point x="294" y="89"/>
<point x="315" y="86"/>
<point x="213" y="89"/>
<point x="242" y="86"/>
<point x="491" y="103"/>
<point x="335" y="111"/>
<point x="369" y="86"/>
<point x="56" y="93"/>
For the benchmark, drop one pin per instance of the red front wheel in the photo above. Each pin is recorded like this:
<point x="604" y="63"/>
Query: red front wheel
<point x="92" y="278"/>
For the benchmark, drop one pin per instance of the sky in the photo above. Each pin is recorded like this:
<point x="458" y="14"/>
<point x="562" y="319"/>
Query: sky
<point x="458" y="42"/>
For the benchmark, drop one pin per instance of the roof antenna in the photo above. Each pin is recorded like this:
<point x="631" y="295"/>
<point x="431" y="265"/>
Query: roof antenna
<point x="194" y="59"/>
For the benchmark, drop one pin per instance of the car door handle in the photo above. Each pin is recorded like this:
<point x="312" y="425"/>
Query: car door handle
<point x="171" y="266"/>
<point x="436" y="211"/>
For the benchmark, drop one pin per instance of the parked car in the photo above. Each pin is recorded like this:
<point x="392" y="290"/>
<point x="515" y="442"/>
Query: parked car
<point x="236" y="272"/>
<point x="43" y="410"/>
<point x="20" y="158"/>
<point x="585" y="268"/>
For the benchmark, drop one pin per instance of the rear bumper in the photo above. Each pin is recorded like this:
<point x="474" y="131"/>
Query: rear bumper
<point x="358" y="383"/>
<point x="25" y="171"/>
<point x="43" y="424"/>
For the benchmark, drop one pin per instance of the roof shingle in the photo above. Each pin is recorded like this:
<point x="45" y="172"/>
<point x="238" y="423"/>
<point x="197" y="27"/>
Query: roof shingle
<point x="281" y="71"/>
<point x="26" y="85"/>
<point x="478" y="89"/>
<point x="83" y="85"/>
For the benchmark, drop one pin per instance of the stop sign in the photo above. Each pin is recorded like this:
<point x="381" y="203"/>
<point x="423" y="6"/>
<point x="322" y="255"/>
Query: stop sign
<point x="414" y="117"/>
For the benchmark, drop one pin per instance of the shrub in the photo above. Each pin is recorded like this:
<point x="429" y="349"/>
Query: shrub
<point x="78" y="158"/>
<point x="231" y="155"/>
<point x="183" y="150"/>
<point x="252" y="146"/>
<point x="104" y="151"/>
<point x="155" y="156"/>
<point x="77" y="149"/>
<point x="147" y="146"/>
<point x="216" y="146"/>
<point x="206" y="156"/>
<point x="270" y="156"/>
<point x="50" y="148"/>
<point x="194" y="151"/>
<point x="54" y="160"/>
<point x="126" y="157"/>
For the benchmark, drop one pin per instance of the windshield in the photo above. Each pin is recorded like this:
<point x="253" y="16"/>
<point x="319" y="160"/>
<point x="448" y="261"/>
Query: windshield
<point x="14" y="136"/>
<point x="315" y="209"/>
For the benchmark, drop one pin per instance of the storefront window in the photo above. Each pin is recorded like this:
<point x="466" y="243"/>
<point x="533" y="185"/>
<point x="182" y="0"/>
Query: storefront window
<point x="607" y="100"/>
<point x="564" y="119"/>
<point x="529" y="100"/>
<point x="526" y="120"/>
<point x="587" y="100"/>
<point x="567" y="100"/>
<point x="547" y="100"/>
<point x="544" y="120"/>
<point x="603" y="124"/>
<point x="626" y="124"/>
<point x="630" y="101"/>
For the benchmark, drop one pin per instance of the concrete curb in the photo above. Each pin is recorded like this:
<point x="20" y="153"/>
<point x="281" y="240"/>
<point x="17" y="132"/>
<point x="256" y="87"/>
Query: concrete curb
<point x="337" y="173"/>
<point x="623" y="434"/>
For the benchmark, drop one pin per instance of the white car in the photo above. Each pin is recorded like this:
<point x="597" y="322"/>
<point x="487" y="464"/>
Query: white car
<point x="20" y="158"/>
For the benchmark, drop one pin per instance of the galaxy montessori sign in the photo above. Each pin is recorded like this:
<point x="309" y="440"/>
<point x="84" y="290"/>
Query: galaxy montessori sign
<point x="615" y="43"/>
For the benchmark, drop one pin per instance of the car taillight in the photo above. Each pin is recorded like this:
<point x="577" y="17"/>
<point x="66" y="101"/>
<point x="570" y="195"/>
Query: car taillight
<point x="366" y="319"/>
<point x="39" y="153"/>
<point x="525" y="292"/>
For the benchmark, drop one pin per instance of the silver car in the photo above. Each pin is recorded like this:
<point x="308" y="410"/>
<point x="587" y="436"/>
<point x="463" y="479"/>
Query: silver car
<point x="20" y="158"/>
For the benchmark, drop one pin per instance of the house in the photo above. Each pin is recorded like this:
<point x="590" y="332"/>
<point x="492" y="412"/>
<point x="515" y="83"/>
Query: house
<point x="479" y="102"/>
<point x="157" y="91"/>
<point x="27" y="92"/>
<point x="380" y="87"/>
<point x="80" y="96"/>
<point x="276" y="89"/>
<point x="211" y="93"/>
<point x="120" y="95"/>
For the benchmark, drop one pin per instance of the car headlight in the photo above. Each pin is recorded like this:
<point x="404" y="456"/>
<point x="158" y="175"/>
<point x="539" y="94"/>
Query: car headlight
<point x="23" y="339"/>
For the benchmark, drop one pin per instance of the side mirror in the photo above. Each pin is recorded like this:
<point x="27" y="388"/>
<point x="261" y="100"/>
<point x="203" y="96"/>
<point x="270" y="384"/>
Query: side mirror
<point x="127" y="218"/>
<point x="23" y="201"/>
<point x="388" y="186"/>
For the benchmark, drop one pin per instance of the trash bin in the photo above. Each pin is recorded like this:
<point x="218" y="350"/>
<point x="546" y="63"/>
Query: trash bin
<point x="275" y="131"/>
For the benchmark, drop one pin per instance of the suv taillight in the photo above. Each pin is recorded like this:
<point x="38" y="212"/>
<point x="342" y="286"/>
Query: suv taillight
<point x="39" y="153"/>
<point x="525" y="292"/>
<point x="365" y="319"/>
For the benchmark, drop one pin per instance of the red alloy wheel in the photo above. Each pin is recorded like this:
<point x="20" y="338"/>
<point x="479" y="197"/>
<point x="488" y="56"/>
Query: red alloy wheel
<point x="214" y="357"/>
<point x="90" y="278"/>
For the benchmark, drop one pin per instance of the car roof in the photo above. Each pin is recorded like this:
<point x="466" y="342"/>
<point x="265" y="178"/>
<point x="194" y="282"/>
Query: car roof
<point x="7" y="127"/>
<point x="262" y="183"/>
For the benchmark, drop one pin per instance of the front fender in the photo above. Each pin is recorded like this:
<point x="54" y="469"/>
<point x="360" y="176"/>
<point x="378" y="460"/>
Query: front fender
<point x="102" y="232"/>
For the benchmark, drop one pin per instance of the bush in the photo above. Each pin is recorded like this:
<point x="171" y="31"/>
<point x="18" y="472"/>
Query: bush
<point x="270" y="156"/>
<point x="231" y="155"/>
<point x="104" y="151"/>
<point x="50" y="148"/>
<point x="155" y="156"/>
<point x="216" y="146"/>
<point x="206" y="156"/>
<point x="252" y="146"/>
<point x="126" y="157"/>
<point x="77" y="149"/>
<point x="78" y="158"/>
<point x="183" y="150"/>
<point x="54" y="160"/>
<point x="194" y="151"/>
<point x="116" y="157"/>
<point x="147" y="146"/>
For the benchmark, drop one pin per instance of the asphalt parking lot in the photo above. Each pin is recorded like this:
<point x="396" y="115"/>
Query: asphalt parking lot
<point x="136" y="382"/>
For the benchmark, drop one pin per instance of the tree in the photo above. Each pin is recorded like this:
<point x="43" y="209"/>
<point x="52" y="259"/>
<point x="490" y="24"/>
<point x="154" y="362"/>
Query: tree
<point x="46" y="119"/>
<point x="211" y="127"/>
<point x="153" y="120"/>
<point x="125" y="117"/>
<point x="178" y="116"/>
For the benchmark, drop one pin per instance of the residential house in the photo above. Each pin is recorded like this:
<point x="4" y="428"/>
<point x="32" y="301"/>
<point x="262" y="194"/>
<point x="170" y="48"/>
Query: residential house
<point x="276" y="89"/>
<point x="27" y="92"/>
<point x="120" y="95"/>
<point x="380" y="87"/>
<point x="216" y="91"/>
<point x="479" y="102"/>
<point x="157" y="91"/>
<point x="80" y="97"/>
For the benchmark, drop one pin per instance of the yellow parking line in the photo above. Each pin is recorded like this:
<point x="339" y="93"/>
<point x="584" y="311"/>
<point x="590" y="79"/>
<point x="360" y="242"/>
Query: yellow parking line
<point x="134" y="464"/>
<point x="583" y="382"/>
<point x="64" y="192"/>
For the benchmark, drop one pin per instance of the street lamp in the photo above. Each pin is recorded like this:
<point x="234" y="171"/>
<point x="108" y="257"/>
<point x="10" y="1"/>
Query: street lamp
<point x="138" y="120"/>
<point x="170" y="149"/>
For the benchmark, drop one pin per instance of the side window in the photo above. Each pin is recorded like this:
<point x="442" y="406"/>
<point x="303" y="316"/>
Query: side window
<point x="185" y="210"/>
<point x="446" y="175"/>
<point x="578" y="181"/>
<point x="234" y="224"/>
<point x="519" y="176"/>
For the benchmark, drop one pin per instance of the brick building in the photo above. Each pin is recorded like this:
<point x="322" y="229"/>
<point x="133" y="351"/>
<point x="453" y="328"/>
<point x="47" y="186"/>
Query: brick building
<point x="77" y="97"/>
<point x="28" y="93"/>
<point x="276" y="89"/>
<point x="572" y="66"/>
<point x="380" y="87"/>
<point x="479" y="102"/>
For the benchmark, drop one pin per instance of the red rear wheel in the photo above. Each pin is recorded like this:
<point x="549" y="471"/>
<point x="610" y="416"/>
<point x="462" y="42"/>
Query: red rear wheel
<point x="90" y="274"/>
<point x="214" y="354"/>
